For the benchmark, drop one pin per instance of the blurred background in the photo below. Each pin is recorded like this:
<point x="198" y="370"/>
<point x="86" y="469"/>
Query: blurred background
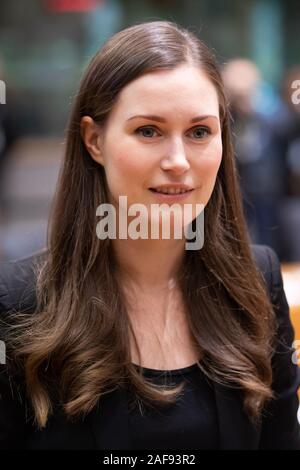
<point x="44" y="48"/>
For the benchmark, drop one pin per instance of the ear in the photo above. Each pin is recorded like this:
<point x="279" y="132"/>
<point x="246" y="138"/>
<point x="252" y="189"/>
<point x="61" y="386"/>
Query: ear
<point x="91" y="134"/>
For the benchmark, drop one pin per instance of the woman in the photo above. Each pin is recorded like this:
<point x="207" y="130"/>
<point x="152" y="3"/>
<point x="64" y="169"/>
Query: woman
<point x="126" y="342"/>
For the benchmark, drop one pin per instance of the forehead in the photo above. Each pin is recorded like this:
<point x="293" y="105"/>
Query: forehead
<point x="184" y="89"/>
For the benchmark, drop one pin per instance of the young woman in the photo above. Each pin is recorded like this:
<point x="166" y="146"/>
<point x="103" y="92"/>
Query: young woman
<point x="141" y="343"/>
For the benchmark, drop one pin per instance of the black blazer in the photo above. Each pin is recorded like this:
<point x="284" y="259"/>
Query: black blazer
<point x="109" y="422"/>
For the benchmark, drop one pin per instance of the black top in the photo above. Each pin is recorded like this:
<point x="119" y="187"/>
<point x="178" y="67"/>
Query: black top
<point x="190" y="423"/>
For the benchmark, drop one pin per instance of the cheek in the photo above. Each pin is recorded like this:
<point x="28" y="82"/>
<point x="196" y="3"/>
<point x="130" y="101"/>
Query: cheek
<point x="124" y="171"/>
<point x="208" y="167"/>
<point x="210" y="161"/>
<point x="126" y="158"/>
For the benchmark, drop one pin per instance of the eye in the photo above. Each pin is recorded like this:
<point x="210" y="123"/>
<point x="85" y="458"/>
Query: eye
<point x="201" y="132"/>
<point x="146" y="131"/>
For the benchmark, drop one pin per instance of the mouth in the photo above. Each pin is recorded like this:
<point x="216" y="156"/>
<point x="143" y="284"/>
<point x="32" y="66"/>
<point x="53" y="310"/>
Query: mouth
<point x="171" y="191"/>
<point x="171" y="194"/>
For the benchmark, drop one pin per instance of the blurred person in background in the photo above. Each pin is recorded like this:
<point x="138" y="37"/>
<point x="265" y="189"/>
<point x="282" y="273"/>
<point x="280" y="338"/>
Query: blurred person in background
<point x="286" y="124"/>
<point x="8" y="135"/>
<point x="7" y="128"/>
<point x="259" y="153"/>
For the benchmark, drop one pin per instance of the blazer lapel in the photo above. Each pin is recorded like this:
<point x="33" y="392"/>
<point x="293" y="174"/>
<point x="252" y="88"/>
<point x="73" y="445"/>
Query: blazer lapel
<point x="235" y="429"/>
<point x="109" y="421"/>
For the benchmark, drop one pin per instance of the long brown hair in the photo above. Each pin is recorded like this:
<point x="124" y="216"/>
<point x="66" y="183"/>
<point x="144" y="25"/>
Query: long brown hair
<point x="77" y="341"/>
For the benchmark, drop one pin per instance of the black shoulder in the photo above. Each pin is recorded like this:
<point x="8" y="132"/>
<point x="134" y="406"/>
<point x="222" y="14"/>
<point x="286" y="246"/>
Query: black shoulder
<point x="268" y="264"/>
<point x="17" y="293"/>
<point x="280" y="426"/>
<point x="18" y="283"/>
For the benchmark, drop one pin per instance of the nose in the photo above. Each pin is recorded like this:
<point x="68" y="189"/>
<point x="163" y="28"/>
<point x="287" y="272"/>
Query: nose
<point x="176" y="160"/>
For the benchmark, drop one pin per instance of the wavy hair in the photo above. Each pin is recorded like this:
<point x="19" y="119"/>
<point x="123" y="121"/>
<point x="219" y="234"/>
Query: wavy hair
<point x="75" y="346"/>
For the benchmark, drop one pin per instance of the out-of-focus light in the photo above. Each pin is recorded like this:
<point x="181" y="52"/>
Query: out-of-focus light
<point x="73" y="5"/>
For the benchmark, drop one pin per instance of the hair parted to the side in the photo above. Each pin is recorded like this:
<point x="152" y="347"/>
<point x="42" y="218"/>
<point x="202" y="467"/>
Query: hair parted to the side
<point x="77" y="343"/>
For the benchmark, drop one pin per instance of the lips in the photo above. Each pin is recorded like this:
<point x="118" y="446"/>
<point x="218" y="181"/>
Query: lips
<point x="170" y="197"/>
<point x="170" y="191"/>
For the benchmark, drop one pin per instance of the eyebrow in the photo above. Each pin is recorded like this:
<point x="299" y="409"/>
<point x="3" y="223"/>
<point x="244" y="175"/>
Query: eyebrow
<point x="153" y="117"/>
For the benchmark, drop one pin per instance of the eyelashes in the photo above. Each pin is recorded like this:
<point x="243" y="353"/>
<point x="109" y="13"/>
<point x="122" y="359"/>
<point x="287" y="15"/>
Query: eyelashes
<point x="145" y="128"/>
<point x="205" y="131"/>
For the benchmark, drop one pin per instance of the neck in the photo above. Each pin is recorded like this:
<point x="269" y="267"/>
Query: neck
<point x="149" y="264"/>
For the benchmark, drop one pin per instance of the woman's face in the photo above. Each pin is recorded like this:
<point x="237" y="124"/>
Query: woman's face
<point x="164" y="129"/>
